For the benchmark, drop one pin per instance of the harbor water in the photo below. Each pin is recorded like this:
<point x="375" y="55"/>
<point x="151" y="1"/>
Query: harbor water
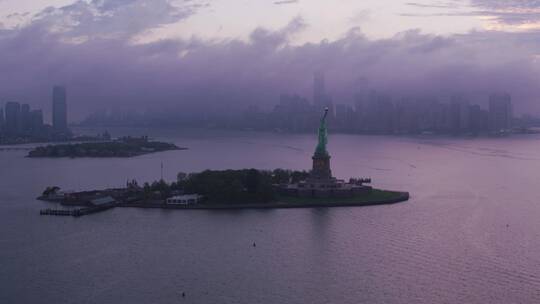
<point x="469" y="234"/>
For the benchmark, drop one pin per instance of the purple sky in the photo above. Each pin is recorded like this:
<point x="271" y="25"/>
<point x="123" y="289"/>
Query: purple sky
<point x="146" y="53"/>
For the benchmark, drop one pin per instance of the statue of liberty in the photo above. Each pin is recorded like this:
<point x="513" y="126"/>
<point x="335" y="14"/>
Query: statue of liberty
<point x="323" y="136"/>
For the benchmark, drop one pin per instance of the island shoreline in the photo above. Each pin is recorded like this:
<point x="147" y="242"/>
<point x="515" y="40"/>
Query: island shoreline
<point x="401" y="197"/>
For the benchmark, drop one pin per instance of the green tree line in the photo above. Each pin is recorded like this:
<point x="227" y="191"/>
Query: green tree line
<point x="229" y="186"/>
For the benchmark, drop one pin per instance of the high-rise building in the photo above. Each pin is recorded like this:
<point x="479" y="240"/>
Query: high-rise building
<point x="500" y="112"/>
<point x="345" y="118"/>
<point x="2" y="120"/>
<point x="13" y="117"/>
<point x="59" y="109"/>
<point x="460" y="115"/>
<point x="359" y="111"/>
<point x="319" y="90"/>
<point x="293" y="113"/>
<point x="321" y="99"/>
<point x="24" y="122"/>
<point x="36" y="121"/>
<point x="478" y="119"/>
<point x="406" y="120"/>
<point x="341" y="117"/>
<point x="385" y="114"/>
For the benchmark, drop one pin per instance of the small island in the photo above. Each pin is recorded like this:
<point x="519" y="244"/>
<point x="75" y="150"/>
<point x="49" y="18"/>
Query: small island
<point x="235" y="189"/>
<point x="212" y="189"/>
<point x="121" y="147"/>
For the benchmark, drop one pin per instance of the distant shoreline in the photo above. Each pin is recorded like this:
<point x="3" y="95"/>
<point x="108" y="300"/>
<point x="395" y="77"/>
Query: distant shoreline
<point x="119" y="148"/>
<point x="335" y="132"/>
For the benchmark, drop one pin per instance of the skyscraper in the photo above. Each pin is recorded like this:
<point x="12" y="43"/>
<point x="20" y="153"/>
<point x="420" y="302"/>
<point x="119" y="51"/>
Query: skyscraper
<point x="500" y="112"/>
<point x="2" y="121"/>
<point x="319" y="90"/>
<point x="459" y="114"/>
<point x="24" y="122"/>
<point x="36" y="121"/>
<point x="59" y="110"/>
<point x="13" y="117"/>
<point x="321" y="100"/>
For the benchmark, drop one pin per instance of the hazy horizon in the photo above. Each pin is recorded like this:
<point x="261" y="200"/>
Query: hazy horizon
<point x="149" y="54"/>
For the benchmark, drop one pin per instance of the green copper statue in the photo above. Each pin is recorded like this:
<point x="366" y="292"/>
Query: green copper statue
<point x="323" y="136"/>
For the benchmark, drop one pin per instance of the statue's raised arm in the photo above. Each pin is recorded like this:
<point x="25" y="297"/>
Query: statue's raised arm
<point x="323" y="136"/>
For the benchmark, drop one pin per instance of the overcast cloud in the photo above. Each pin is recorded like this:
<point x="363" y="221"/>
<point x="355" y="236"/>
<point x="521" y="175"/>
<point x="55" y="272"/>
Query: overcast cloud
<point x="89" y="47"/>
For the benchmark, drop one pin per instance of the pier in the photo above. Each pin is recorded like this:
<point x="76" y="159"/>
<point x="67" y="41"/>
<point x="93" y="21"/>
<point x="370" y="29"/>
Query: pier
<point x="77" y="212"/>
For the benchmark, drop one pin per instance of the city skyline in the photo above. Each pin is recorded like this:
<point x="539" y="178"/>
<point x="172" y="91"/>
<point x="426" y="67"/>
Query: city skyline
<point x="19" y="123"/>
<point x="162" y="59"/>
<point x="371" y="112"/>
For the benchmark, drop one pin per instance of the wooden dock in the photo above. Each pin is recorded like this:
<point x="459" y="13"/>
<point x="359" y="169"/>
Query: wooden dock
<point x="57" y="212"/>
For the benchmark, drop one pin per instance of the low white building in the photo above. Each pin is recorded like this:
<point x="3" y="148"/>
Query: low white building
<point x="186" y="199"/>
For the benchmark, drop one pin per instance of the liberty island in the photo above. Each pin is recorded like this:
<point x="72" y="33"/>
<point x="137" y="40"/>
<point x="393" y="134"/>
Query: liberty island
<point x="235" y="189"/>
<point x="321" y="183"/>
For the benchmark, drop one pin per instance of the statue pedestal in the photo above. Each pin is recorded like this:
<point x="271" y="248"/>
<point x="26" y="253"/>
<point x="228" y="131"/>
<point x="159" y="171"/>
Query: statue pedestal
<point x="321" y="167"/>
<point x="320" y="183"/>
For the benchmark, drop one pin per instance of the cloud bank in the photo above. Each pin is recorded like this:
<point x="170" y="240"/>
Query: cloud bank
<point x="88" y="47"/>
<point x="523" y="14"/>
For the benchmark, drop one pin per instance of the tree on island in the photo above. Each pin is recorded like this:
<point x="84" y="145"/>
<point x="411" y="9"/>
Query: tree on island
<point x="181" y="176"/>
<point x="231" y="186"/>
<point x="50" y="190"/>
<point x="238" y="186"/>
<point x="282" y="176"/>
<point x="227" y="186"/>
